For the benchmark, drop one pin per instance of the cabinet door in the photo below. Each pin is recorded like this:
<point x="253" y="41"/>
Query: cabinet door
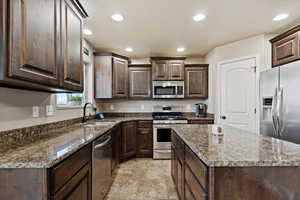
<point x="196" y="82"/>
<point x="180" y="178"/>
<point x="286" y="50"/>
<point x="173" y="163"/>
<point x="116" y="134"/>
<point x="34" y="41"/>
<point x="160" y="70"/>
<point x="120" y="78"/>
<point x="140" y="82"/>
<point x="176" y="70"/>
<point x="145" y="139"/>
<point x="72" y="64"/>
<point x="78" y="188"/>
<point x="128" y="140"/>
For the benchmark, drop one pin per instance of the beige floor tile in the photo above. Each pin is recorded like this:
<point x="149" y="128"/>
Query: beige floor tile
<point x="143" y="179"/>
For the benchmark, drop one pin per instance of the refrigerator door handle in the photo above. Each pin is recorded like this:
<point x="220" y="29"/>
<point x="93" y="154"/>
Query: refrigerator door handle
<point x="274" y="112"/>
<point x="280" y="113"/>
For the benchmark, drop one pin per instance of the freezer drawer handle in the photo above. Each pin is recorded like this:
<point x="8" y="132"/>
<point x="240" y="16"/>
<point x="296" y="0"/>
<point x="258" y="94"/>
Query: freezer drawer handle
<point x="98" y="146"/>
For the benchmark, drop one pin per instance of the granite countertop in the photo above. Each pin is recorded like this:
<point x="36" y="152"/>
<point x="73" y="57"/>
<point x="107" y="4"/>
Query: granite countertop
<point x="235" y="148"/>
<point x="57" y="144"/>
<point x="238" y="148"/>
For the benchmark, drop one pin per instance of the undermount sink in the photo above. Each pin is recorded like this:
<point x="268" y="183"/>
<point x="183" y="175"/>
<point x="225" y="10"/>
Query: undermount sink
<point x="99" y="124"/>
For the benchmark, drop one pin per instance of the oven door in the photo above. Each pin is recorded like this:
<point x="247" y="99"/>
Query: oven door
<point x="162" y="138"/>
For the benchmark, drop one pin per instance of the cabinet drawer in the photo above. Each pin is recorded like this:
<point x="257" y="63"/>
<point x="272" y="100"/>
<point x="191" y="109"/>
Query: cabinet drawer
<point x="144" y="124"/>
<point x="286" y="50"/>
<point x="195" y="188"/>
<point x="197" y="167"/>
<point x="64" y="171"/>
<point x="79" y="187"/>
<point x="199" y="121"/>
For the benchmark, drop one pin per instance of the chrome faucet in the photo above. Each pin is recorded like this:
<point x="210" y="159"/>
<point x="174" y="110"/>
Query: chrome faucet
<point x="84" y="117"/>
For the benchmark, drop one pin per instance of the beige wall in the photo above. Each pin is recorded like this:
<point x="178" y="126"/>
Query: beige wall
<point x="254" y="46"/>
<point x="16" y="106"/>
<point x="189" y="60"/>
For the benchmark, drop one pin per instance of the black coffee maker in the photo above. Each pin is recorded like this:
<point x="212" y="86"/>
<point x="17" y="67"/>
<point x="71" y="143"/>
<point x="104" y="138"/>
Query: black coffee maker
<point x="201" y="110"/>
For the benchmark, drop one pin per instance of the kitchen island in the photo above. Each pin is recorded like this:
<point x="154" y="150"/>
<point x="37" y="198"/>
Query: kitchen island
<point x="238" y="165"/>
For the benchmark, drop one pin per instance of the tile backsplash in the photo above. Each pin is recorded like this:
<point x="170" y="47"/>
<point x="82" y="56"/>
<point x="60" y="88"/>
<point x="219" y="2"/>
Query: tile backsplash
<point x="121" y="105"/>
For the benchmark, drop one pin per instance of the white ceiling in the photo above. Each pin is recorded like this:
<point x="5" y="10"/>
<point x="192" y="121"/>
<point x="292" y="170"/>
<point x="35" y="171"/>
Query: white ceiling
<point x="158" y="27"/>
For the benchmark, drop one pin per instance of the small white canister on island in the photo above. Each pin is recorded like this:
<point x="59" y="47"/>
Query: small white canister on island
<point x="217" y="129"/>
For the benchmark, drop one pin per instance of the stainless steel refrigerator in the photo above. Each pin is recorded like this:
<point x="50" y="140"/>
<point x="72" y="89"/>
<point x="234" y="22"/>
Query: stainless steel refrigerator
<point x="280" y="102"/>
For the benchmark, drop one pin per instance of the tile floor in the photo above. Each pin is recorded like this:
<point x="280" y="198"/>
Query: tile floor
<point x="143" y="179"/>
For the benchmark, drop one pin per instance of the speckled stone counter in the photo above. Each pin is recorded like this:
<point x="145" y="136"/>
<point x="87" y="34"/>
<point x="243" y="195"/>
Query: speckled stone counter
<point x="55" y="145"/>
<point x="237" y="148"/>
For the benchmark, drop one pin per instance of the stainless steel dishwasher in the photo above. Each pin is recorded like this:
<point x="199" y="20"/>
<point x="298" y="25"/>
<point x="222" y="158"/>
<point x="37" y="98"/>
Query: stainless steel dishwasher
<point x="102" y="166"/>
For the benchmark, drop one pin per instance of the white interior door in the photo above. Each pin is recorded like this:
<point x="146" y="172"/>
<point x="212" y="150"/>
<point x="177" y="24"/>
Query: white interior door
<point x="238" y="91"/>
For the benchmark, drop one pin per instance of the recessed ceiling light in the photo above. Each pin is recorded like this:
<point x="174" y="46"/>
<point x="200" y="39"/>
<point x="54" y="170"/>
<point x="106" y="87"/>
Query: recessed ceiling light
<point x="87" y="32"/>
<point x="117" y="17"/>
<point x="280" y="17"/>
<point x="199" y="17"/>
<point x="129" y="49"/>
<point x="180" y="49"/>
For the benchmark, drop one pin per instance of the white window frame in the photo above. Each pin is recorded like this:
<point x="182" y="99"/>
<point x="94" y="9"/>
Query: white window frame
<point x="86" y="94"/>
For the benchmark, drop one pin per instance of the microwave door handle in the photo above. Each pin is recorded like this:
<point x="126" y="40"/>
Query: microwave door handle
<point x="274" y="113"/>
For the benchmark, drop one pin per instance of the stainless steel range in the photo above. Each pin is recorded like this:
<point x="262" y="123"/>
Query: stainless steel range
<point x="162" y="132"/>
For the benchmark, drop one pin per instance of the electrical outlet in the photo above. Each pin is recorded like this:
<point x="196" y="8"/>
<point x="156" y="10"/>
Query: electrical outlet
<point x="142" y="107"/>
<point x="49" y="110"/>
<point x="35" y="111"/>
<point x="112" y="107"/>
<point x="188" y="107"/>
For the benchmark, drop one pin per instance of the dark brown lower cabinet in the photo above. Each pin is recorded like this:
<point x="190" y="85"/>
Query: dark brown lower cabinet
<point x="177" y="166"/>
<point x="200" y="121"/>
<point x="193" y="183"/>
<point x="144" y="139"/>
<point x="116" y="146"/>
<point x="78" y="188"/>
<point x="128" y="140"/>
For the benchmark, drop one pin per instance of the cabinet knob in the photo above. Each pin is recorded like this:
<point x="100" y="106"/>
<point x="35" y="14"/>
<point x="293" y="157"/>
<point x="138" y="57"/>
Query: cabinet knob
<point x="223" y="117"/>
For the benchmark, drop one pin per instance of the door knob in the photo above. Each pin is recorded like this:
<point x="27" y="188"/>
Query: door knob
<point x="223" y="117"/>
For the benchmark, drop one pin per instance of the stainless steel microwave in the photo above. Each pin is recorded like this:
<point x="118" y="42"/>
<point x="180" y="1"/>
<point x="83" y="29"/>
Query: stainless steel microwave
<point x="168" y="89"/>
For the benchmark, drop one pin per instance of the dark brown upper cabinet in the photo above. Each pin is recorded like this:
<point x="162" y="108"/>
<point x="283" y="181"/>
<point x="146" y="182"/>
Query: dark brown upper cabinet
<point x="140" y="81"/>
<point x="120" y="78"/>
<point x="196" y="81"/>
<point x="160" y="70"/>
<point x="72" y="69"/>
<point x="167" y="68"/>
<point x="285" y="47"/>
<point x="34" y="38"/>
<point x="41" y="45"/>
<point x="176" y="70"/>
<point x="111" y="76"/>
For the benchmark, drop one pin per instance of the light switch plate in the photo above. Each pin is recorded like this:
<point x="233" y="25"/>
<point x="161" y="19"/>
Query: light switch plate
<point x="49" y="110"/>
<point x="35" y="111"/>
<point x="142" y="107"/>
